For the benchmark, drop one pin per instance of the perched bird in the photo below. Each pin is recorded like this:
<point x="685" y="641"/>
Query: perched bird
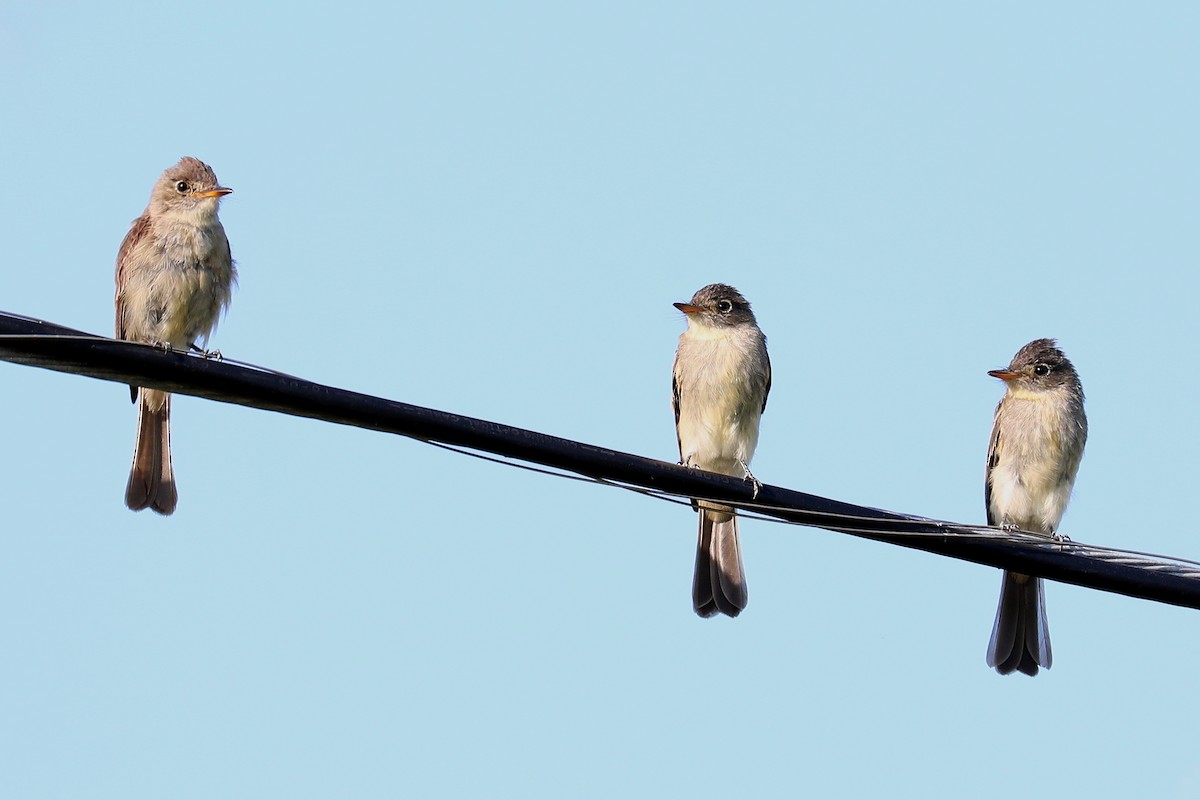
<point x="175" y="275"/>
<point x="1037" y="441"/>
<point x="721" y="380"/>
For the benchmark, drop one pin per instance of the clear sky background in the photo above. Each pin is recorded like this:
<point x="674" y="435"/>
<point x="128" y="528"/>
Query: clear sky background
<point x="489" y="209"/>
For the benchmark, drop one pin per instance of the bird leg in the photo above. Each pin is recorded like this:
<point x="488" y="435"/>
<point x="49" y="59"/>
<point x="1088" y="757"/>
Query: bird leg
<point x="749" y="476"/>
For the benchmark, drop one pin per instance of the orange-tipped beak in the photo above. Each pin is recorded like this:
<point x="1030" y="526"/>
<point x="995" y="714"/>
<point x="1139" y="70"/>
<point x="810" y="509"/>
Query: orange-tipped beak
<point x="1004" y="374"/>
<point x="688" y="308"/>
<point x="217" y="192"/>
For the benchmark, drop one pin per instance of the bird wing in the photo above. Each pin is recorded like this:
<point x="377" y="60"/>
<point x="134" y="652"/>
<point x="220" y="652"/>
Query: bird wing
<point x="137" y="231"/>
<point x="993" y="458"/>
<point x="767" y="388"/>
<point x="675" y="402"/>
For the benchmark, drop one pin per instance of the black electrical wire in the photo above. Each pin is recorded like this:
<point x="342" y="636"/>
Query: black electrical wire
<point x="36" y="343"/>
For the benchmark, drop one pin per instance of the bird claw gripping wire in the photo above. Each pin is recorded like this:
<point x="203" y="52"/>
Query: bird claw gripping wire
<point x="754" y="482"/>
<point x="1062" y="539"/>
<point x="215" y="355"/>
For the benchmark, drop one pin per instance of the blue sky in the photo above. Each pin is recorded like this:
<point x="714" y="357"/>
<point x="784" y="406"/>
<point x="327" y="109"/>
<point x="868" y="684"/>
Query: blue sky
<point x="489" y="209"/>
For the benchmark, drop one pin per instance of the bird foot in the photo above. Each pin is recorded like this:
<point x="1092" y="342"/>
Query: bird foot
<point x="754" y="482"/>
<point x="215" y="355"/>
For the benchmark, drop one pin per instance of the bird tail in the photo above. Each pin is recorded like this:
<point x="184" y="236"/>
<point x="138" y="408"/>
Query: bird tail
<point x="151" y="479"/>
<point x="719" y="585"/>
<point x="1020" y="637"/>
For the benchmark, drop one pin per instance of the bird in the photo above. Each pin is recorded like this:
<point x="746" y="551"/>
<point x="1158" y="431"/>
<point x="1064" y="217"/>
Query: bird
<point x="720" y="382"/>
<point x="1037" y="441"/>
<point x="175" y="276"/>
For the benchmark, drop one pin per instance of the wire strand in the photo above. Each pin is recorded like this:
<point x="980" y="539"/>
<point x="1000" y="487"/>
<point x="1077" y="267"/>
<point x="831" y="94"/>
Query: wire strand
<point x="31" y="342"/>
<point x="953" y="529"/>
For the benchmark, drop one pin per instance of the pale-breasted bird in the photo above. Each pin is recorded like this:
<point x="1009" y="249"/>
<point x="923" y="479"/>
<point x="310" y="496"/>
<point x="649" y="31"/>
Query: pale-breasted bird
<point x="1037" y="441"/>
<point x="722" y="376"/>
<point x="175" y="275"/>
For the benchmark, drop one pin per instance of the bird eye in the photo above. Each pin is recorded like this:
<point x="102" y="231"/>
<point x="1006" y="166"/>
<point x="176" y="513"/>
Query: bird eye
<point x="1041" y="369"/>
<point x="724" y="306"/>
<point x="181" y="187"/>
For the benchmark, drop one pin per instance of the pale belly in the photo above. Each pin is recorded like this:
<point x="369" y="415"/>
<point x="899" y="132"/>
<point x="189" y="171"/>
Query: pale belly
<point x="1032" y="496"/>
<point x="176" y="305"/>
<point x="1032" y="479"/>
<point x="719" y="412"/>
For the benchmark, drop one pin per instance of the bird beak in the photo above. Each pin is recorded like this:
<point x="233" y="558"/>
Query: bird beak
<point x="1004" y="374"/>
<point x="217" y="192"/>
<point x="688" y="308"/>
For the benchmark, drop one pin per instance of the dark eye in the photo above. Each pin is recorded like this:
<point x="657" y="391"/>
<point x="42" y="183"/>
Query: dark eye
<point x="181" y="187"/>
<point x="724" y="306"/>
<point x="1041" y="369"/>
